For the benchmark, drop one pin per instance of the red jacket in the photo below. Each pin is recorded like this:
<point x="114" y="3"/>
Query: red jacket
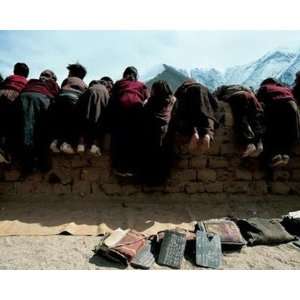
<point x="274" y="92"/>
<point x="48" y="87"/>
<point x="129" y="93"/>
<point x="14" y="82"/>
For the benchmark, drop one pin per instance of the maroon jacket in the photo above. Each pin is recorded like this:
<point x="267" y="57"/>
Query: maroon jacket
<point x="14" y="82"/>
<point x="47" y="87"/>
<point x="269" y="93"/>
<point x="127" y="93"/>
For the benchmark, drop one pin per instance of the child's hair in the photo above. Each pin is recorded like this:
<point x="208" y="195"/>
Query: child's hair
<point x="131" y="73"/>
<point x="77" y="70"/>
<point x="48" y="74"/>
<point x="21" y="69"/>
<point x="269" y="80"/>
<point x="161" y="89"/>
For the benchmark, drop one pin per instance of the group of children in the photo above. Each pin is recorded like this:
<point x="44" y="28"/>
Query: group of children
<point x="37" y="116"/>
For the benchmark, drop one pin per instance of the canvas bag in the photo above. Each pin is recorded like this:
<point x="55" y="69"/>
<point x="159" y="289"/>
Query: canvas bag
<point x="260" y="231"/>
<point x="230" y="235"/>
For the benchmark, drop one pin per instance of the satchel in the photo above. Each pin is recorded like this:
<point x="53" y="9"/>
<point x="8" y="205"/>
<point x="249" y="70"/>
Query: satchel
<point x="259" y="231"/>
<point x="144" y="259"/>
<point x="208" y="250"/>
<point x="125" y="244"/>
<point x="291" y="223"/>
<point x="172" y="249"/>
<point x="228" y="231"/>
<point x="132" y="242"/>
<point x="190" y="249"/>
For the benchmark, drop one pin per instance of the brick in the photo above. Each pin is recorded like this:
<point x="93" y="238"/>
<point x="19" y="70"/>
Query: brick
<point x="90" y="174"/>
<point x="242" y="174"/>
<point x="296" y="150"/>
<point x="44" y="188"/>
<point x="153" y="189"/>
<point x="224" y="175"/>
<point x="81" y="187"/>
<point x="295" y="187"/>
<point x="296" y="175"/>
<point x="198" y="162"/>
<point x="61" y="189"/>
<point x="294" y="163"/>
<point x="184" y="175"/>
<point x="194" y="187"/>
<point x="281" y="175"/>
<point x="206" y="175"/>
<point x="215" y="148"/>
<point x="258" y="175"/>
<point x="175" y="188"/>
<point x="7" y="188"/>
<point x="25" y="187"/>
<point x="181" y="164"/>
<point x="216" y="187"/>
<point x="280" y="188"/>
<point x="12" y="175"/>
<point x="218" y="162"/>
<point x="224" y="107"/>
<point x="229" y="121"/>
<point x="236" y="187"/>
<point x="131" y="189"/>
<point x="228" y="149"/>
<point x="111" y="189"/>
<point x="258" y="188"/>
<point x="235" y="162"/>
<point x="79" y="161"/>
<point x="224" y="134"/>
<point x="61" y="161"/>
<point x="61" y="175"/>
<point x="99" y="162"/>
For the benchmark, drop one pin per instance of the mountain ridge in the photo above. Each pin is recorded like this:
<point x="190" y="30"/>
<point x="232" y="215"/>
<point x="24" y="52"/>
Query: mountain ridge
<point x="280" y="64"/>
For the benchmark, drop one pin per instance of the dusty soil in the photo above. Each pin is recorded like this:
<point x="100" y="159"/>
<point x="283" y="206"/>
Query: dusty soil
<point x="52" y="251"/>
<point x="75" y="252"/>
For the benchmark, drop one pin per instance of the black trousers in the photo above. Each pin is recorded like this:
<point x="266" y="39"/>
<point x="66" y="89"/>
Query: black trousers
<point x="34" y="108"/>
<point x="249" y="124"/>
<point x="10" y="125"/>
<point x="64" y="120"/>
<point x="283" y="127"/>
<point x="126" y="139"/>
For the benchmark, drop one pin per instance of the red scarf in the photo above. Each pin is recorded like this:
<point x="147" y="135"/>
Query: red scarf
<point x="48" y="87"/>
<point x="14" y="82"/>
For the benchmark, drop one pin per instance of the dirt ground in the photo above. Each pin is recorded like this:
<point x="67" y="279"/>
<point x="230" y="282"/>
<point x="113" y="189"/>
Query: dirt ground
<point x="75" y="253"/>
<point x="52" y="251"/>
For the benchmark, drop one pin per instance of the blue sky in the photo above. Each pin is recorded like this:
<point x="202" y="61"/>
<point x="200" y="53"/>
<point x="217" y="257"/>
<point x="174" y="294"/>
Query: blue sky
<point x="109" y="52"/>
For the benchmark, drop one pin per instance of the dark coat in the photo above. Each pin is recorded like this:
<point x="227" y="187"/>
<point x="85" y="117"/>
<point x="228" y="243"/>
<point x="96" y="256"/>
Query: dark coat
<point x="195" y="108"/>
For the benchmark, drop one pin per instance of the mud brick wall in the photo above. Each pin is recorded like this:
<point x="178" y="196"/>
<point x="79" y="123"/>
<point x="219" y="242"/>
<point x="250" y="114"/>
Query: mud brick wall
<point x="220" y="171"/>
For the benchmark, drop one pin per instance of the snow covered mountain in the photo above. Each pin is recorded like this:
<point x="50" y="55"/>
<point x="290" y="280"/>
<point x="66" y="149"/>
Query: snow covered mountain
<point x="173" y="76"/>
<point x="211" y="78"/>
<point x="279" y="64"/>
<point x="270" y="65"/>
<point x="288" y="75"/>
